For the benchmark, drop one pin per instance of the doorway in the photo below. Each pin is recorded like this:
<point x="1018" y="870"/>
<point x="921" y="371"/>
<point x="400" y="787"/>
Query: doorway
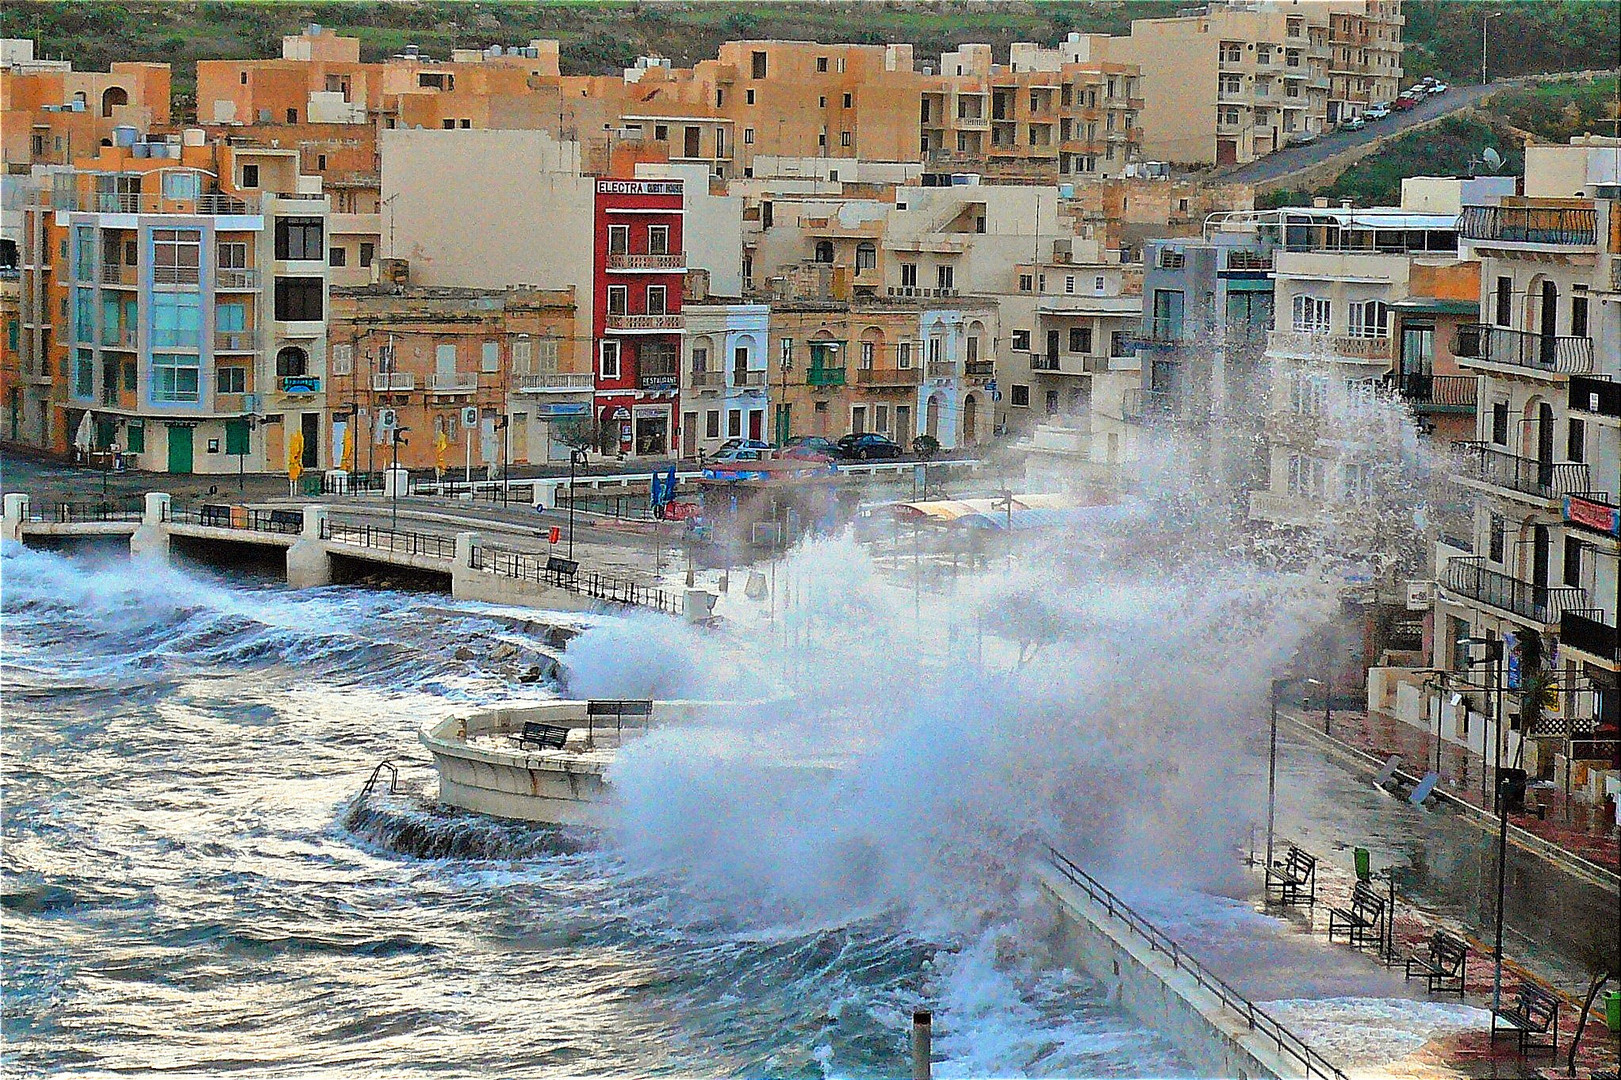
<point x="310" y="426"/>
<point x="970" y="420"/>
<point x="652" y="435"/>
<point x="689" y="435"/>
<point x="756" y="424"/>
<point x="180" y="448"/>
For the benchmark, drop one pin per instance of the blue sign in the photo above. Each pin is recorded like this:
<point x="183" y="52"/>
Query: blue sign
<point x="301" y="384"/>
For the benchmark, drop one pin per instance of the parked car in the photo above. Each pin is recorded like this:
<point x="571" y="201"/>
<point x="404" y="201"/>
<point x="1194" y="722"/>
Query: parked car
<point x="1405" y="102"/>
<point x="1438" y="88"/>
<point x="1301" y="138"/>
<point x="738" y="454"/>
<point x="868" y="445"/>
<point x="743" y="444"/>
<point x="1377" y="111"/>
<point x="1356" y="123"/>
<point x="810" y="448"/>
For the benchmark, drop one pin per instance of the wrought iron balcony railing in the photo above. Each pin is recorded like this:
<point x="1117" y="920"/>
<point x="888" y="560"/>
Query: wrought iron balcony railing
<point x="1558" y="225"/>
<point x="1546" y="480"/>
<point x="1470" y="577"/>
<point x="1549" y="353"/>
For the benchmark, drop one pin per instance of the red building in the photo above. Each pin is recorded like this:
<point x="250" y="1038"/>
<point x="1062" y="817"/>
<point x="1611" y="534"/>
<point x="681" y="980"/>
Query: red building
<point x="638" y="268"/>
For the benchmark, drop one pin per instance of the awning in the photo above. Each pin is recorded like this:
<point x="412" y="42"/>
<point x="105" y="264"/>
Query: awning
<point x="1436" y="305"/>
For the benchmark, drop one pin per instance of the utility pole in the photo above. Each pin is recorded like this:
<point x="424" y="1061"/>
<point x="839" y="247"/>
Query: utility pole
<point x="1484" y="20"/>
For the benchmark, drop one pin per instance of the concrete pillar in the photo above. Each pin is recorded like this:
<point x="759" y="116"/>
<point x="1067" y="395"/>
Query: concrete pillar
<point x="396" y="482"/>
<point x="151" y="537"/>
<point x="309" y="564"/>
<point x="464" y="580"/>
<point x="16" y="512"/>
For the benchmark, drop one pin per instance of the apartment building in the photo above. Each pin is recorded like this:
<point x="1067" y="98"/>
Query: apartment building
<point x="724" y="392"/>
<point x="638" y="270"/>
<point x="187" y="318"/>
<point x="53" y="115"/>
<point x="1542" y="469"/>
<point x="418" y="358"/>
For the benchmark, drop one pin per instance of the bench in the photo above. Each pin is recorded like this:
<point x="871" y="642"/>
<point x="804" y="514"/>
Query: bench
<point x="1534" y="1012"/>
<point x="1363" y="922"/>
<point x="1442" y="963"/>
<point x="542" y="736"/>
<point x="1294" y="876"/>
<point x="618" y="709"/>
<point x="560" y="567"/>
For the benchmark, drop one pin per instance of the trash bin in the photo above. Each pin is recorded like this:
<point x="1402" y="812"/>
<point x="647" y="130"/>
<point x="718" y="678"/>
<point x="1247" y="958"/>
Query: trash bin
<point x="1364" y="872"/>
<point x="1612" y="1010"/>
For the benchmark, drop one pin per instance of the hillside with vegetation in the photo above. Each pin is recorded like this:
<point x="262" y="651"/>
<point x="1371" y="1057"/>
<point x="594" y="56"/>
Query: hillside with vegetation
<point x="602" y="36"/>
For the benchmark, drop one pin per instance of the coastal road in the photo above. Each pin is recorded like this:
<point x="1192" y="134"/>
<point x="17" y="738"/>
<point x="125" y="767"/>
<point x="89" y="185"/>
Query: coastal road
<point x="1297" y="158"/>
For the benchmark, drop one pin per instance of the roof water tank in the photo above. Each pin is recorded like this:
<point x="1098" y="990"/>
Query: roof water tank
<point x="193" y="137"/>
<point x="141" y="149"/>
<point x="125" y="135"/>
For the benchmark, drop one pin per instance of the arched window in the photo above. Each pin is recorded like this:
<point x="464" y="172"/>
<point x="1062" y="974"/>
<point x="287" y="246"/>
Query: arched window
<point x="824" y="251"/>
<point x="1310" y="315"/>
<point x="112" y="98"/>
<point x="1370" y="319"/>
<point x="292" y="361"/>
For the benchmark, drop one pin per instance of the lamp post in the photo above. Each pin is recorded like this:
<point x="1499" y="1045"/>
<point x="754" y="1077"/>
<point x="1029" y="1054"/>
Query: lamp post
<point x="1502" y="892"/>
<point x="1494" y="659"/>
<point x="252" y="421"/>
<point x="394" y="487"/>
<point x="576" y="457"/>
<point x="1272" y="758"/>
<point x="501" y="426"/>
<point x="1484" y="21"/>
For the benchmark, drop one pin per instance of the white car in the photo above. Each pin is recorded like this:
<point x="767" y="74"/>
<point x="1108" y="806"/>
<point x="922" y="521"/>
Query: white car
<point x="1439" y="88"/>
<point x="1377" y="112"/>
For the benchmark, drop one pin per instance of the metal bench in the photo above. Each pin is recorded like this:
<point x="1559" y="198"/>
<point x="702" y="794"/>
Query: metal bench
<point x="1363" y="923"/>
<point x="635" y="708"/>
<point x="1442" y="964"/>
<point x="557" y="566"/>
<point x="1294" y="876"/>
<point x="1534" y="1012"/>
<point x="542" y="736"/>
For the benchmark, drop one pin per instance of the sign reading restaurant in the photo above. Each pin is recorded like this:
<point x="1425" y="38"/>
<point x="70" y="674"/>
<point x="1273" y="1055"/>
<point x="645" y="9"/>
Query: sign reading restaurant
<point x="638" y="187"/>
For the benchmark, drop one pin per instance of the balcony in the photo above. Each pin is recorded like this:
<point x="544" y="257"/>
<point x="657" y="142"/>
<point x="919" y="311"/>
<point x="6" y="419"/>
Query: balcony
<point x="824" y="377"/>
<point x="1593" y="511"/>
<point x="1439" y="393"/>
<point x="122" y="338"/>
<point x="1362" y="350"/>
<point x="1548" y="225"/>
<point x="393" y="382"/>
<point x="973" y="123"/>
<point x="299" y="384"/>
<point x="236" y="280"/>
<point x="1544" y="481"/>
<point x="661" y="379"/>
<point x="647" y="261"/>
<point x="234" y="341"/>
<point x="118" y="274"/>
<point x="643" y="324"/>
<point x="554" y="383"/>
<point x="747" y="379"/>
<point x="1162" y="332"/>
<point x="941" y="369"/>
<point x="979" y="369"/>
<point x="708" y="380"/>
<point x="1600" y="397"/>
<point x="1584" y="629"/>
<point x="1542" y="604"/>
<point x="1546" y="354"/>
<point x="452" y="382"/>
<point x="138" y="202"/>
<point x="880" y="378"/>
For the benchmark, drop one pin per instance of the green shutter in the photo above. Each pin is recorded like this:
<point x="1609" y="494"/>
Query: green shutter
<point x="135" y="436"/>
<point x="236" y="437"/>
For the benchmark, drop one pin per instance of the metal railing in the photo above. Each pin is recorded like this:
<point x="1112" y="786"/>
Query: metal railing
<point x="824" y="376"/>
<point x="225" y="516"/>
<point x="633" y="260"/>
<point x="1530" y="224"/>
<point x="1544" y="604"/>
<point x="235" y="340"/>
<point x="1439" y="391"/>
<point x="625" y="321"/>
<point x="236" y="279"/>
<point x="882" y="376"/>
<point x="1158" y="941"/>
<point x="708" y="380"/>
<point x="404" y="543"/>
<point x="527" y="566"/>
<point x="1585" y="629"/>
<point x="979" y="369"/>
<point x="539" y="384"/>
<point x="1544" y="479"/>
<point x="150" y="202"/>
<point x="78" y="513"/>
<point x="117" y="274"/>
<point x="393" y="381"/>
<point x="1550" y="353"/>
<point x="453" y="382"/>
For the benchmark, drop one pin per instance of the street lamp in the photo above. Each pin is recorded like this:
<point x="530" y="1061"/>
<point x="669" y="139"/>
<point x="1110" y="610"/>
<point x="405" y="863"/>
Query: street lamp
<point x="577" y="457"/>
<point x="394" y="485"/>
<point x="506" y="440"/>
<point x="252" y="421"/>
<point x="1484" y="20"/>
<point x="1494" y="659"/>
<point x="1272" y="758"/>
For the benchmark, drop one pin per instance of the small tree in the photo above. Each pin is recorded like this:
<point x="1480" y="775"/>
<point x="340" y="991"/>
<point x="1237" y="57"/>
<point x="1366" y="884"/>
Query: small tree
<point x="583" y="432"/>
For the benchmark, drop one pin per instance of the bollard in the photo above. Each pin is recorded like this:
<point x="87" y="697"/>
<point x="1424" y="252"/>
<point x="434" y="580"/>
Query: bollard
<point x="922" y="1037"/>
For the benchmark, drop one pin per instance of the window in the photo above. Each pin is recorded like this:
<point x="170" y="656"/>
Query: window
<point x="1578" y="316"/>
<point x="1097" y="284"/>
<point x="821" y="64"/>
<point x="655" y="299"/>
<point x="757" y="65"/>
<point x="1576" y="440"/>
<point x="233" y="380"/>
<point x="945" y="275"/>
<point x="489" y="357"/>
<point x="1069" y="283"/>
<point x="618" y="239"/>
<point x="233" y="255"/>
<point x="1573" y="561"/>
<point x="1370" y="319"/>
<point x="1306" y="477"/>
<point x="844" y="138"/>
<point x="712" y="424"/>
<point x="1021" y="340"/>
<point x="748" y="96"/>
<point x="368" y="251"/>
<point x="610" y="359"/>
<point x="84" y="314"/>
<point x="1019" y="396"/>
<point x="231" y="318"/>
<point x="84" y="374"/>
<point x="937" y="347"/>
<point x="298" y="299"/>
<point x="1310" y="315"/>
<point x="337" y="257"/>
<point x="903" y="353"/>
<point x="342" y="359"/>
<point x="1505" y="301"/>
<point x="700" y="361"/>
<point x="618" y="299"/>
<point x="1027" y="282"/>
<point x="1356" y="481"/>
<point x="292" y="362"/>
<point x="866" y="256"/>
<point x="734" y="422"/>
<point x="748" y="133"/>
<point x="1308" y="394"/>
<point x="250" y="176"/>
<point x="1080" y="339"/>
<point x="545" y="357"/>
<point x="175" y="377"/>
<point x="292" y="116"/>
<point x="176" y="254"/>
<point x="824" y="251"/>
<point x="658" y="239"/>
<point x="176" y="320"/>
<point x="869" y="351"/>
<point x="787" y="353"/>
<point x="908" y="275"/>
<point x="85" y="252"/>
<point x="1495" y="538"/>
<point x="129" y="381"/>
<point x="299" y="238"/>
<point x="1500" y="423"/>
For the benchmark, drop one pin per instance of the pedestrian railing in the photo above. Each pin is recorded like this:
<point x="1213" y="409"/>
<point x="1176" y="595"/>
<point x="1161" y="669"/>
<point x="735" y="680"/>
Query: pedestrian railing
<point x="1286" y="1041"/>
<point x="426" y="545"/>
<point x="561" y="574"/>
<point x="222" y="516"/>
<point x="76" y="513"/>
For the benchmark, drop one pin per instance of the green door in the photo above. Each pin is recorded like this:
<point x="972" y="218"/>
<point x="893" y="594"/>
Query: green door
<point x="179" y="448"/>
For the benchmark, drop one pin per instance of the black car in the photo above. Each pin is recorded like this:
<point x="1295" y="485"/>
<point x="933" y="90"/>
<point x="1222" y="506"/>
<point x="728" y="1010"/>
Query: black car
<point x="810" y="447"/>
<point x="868" y="445"/>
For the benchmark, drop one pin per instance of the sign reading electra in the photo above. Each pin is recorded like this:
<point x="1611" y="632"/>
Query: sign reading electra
<point x="638" y="187"/>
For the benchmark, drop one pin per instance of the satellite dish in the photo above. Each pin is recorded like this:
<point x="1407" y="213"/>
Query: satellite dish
<point x="1492" y="158"/>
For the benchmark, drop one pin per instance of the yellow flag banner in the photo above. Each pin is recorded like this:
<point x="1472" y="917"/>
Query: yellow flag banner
<point x="441" y="443"/>
<point x="295" y="457"/>
<point x="348" y="462"/>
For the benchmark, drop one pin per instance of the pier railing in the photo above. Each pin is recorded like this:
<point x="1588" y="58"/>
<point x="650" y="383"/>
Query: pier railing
<point x="222" y="516"/>
<point x="68" y="513"/>
<point x="1287" y="1041"/>
<point x="528" y="566"/>
<point x="404" y="543"/>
